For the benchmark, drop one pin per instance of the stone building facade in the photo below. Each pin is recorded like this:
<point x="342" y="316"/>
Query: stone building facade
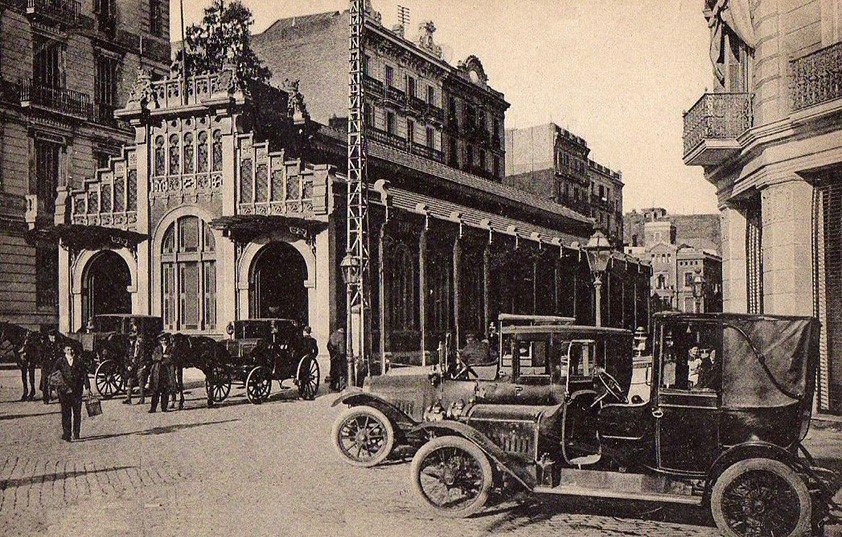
<point x="551" y="162"/>
<point x="769" y="138"/>
<point x="65" y="67"/>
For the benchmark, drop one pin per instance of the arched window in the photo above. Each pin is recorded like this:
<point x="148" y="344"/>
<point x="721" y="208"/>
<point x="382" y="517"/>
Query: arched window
<point x="174" y="155"/>
<point x="188" y="153"/>
<point x="217" y="151"/>
<point x="160" y="157"/>
<point x="188" y="275"/>
<point x="202" y="152"/>
<point x="403" y="305"/>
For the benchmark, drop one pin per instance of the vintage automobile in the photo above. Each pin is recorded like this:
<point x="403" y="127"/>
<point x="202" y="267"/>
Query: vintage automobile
<point x="252" y="358"/>
<point x="730" y="402"/>
<point x="388" y="409"/>
<point x="105" y="347"/>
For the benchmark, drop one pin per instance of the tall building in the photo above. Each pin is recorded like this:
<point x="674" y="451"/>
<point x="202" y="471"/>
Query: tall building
<point x="701" y="231"/>
<point x="65" y="67"/>
<point x="552" y="163"/>
<point x="769" y="137"/>
<point x="229" y="204"/>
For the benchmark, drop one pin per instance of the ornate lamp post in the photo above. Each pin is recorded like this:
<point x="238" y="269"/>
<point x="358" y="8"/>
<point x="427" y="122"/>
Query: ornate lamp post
<point x="599" y="248"/>
<point x="350" y="275"/>
<point x="698" y="290"/>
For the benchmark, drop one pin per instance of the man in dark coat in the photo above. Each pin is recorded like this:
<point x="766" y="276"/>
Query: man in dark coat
<point x="308" y="344"/>
<point x="137" y="365"/>
<point x="162" y="373"/>
<point x="336" y="349"/>
<point x="74" y="379"/>
<point x="51" y="352"/>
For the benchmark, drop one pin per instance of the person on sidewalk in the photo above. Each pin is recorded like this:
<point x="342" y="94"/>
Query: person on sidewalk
<point x="51" y="352"/>
<point x="162" y="373"/>
<point x="74" y="378"/>
<point x="336" y="349"/>
<point x="308" y="344"/>
<point x="136" y="367"/>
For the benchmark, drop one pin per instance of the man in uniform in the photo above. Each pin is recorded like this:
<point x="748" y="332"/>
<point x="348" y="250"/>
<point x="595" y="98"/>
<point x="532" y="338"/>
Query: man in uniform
<point x="337" y="351"/>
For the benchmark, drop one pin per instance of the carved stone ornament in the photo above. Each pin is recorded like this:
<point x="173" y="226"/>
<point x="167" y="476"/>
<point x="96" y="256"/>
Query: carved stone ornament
<point x="142" y="93"/>
<point x="425" y="38"/>
<point x="371" y="14"/>
<point x="227" y="81"/>
<point x="296" y="106"/>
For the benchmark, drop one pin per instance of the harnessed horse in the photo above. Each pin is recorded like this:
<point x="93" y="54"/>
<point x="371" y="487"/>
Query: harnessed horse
<point x="200" y="352"/>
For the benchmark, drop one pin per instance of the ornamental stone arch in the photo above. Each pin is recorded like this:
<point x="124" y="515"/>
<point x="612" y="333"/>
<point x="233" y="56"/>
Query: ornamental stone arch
<point x="79" y="270"/>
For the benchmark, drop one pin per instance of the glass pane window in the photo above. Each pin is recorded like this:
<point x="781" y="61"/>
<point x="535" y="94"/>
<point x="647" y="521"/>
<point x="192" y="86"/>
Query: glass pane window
<point x="188" y="275"/>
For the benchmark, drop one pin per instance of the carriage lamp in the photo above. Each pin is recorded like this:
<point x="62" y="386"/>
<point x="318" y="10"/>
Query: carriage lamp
<point x="599" y="249"/>
<point x="698" y="290"/>
<point x="350" y="269"/>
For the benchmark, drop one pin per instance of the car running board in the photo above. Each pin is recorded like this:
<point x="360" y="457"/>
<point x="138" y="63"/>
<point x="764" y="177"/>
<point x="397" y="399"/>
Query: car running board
<point x="628" y="486"/>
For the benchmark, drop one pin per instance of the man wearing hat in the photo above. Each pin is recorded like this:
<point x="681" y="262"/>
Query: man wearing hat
<point x="52" y="351"/>
<point x="336" y="349"/>
<point x="136" y="363"/>
<point x="161" y="373"/>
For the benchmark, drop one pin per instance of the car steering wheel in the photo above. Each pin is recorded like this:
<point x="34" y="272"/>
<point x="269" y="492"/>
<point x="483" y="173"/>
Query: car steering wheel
<point x="612" y="387"/>
<point x="464" y="372"/>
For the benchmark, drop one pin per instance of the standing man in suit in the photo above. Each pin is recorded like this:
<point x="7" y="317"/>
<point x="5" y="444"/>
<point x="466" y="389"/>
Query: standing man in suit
<point x="51" y="352"/>
<point x="74" y="379"/>
<point x="336" y="349"/>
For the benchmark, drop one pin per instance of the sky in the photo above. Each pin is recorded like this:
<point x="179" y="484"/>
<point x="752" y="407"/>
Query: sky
<point x="618" y="73"/>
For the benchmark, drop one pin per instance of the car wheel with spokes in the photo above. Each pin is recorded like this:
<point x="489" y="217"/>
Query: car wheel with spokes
<point x="759" y="497"/>
<point x="453" y="476"/>
<point x="363" y="436"/>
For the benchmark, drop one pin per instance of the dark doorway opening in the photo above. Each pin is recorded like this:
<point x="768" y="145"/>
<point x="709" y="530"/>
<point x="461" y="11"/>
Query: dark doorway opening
<point x="276" y="287"/>
<point x="106" y="286"/>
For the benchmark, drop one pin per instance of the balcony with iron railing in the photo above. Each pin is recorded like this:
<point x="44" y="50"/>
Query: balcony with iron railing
<point x="65" y="12"/>
<point x="417" y="105"/>
<point x="395" y="95"/>
<point x="435" y="112"/>
<point x="426" y="152"/>
<point x="386" y="138"/>
<point x="60" y="100"/>
<point x="373" y="85"/>
<point x="712" y="126"/>
<point x="817" y="77"/>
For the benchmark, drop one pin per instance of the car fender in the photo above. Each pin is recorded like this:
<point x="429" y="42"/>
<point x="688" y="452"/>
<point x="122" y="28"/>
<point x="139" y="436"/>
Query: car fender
<point x="497" y="455"/>
<point x="354" y="396"/>
<point x="746" y="450"/>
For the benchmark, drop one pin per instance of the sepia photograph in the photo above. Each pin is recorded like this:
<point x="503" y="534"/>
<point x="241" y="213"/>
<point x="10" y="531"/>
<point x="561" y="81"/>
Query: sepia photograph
<point x="376" y="268"/>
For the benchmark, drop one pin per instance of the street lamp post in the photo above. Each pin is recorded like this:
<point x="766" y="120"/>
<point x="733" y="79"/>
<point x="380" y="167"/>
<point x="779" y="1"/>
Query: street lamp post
<point x="698" y="291"/>
<point x="350" y="274"/>
<point x="599" y="249"/>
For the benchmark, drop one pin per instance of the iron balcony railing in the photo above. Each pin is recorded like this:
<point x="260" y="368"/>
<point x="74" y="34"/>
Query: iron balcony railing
<point x="59" y="100"/>
<point x="817" y="77"/>
<point x="396" y="95"/>
<point x="719" y="116"/>
<point x="427" y="152"/>
<point x="417" y="105"/>
<point x="387" y="138"/>
<point x="62" y="11"/>
<point x="435" y="112"/>
<point x="373" y="85"/>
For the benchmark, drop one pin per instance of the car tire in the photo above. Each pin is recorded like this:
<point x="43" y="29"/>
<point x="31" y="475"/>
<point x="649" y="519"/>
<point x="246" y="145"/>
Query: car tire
<point x="363" y="428"/>
<point x="450" y="450"/>
<point x="753" y="496"/>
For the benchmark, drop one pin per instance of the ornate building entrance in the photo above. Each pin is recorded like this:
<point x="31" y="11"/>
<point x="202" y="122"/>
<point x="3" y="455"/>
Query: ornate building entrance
<point x="106" y="284"/>
<point x="276" y="283"/>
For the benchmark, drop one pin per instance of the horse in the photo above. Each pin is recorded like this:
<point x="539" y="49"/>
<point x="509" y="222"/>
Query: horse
<point x="25" y="347"/>
<point x="202" y="352"/>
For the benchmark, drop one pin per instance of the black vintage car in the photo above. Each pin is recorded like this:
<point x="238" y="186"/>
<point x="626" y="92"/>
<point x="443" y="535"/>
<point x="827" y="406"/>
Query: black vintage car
<point x="389" y="409"/>
<point x="729" y="403"/>
<point x="259" y="351"/>
<point x="106" y="347"/>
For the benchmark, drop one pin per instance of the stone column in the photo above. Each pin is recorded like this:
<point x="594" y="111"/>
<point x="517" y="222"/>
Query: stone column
<point x="66" y="296"/>
<point x="787" y="248"/>
<point x="733" y="225"/>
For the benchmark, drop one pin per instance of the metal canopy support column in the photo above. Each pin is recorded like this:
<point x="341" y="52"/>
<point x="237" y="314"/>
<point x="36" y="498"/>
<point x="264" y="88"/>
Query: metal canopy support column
<point x="457" y="288"/>
<point x="486" y="286"/>
<point x="422" y="292"/>
<point x="357" y="200"/>
<point x="381" y="290"/>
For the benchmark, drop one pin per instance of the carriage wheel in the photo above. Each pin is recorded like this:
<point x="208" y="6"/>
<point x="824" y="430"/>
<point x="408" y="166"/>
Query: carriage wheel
<point x="218" y="384"/>
<point x="761" y="497"/>
<point x="258" y="385"/>
<point x="452" y="475"/>
<point x="108" y="379"/>
<point x="308" y="378"/>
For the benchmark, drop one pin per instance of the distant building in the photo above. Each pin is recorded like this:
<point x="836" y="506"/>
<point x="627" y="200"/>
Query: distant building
<point x="65" y="67"/>
<point x="677" y="259"/>
<point x="551" y="162"/>
<point x="769" y="137"/>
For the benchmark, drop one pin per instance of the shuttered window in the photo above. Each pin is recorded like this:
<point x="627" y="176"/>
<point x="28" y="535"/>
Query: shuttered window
<point x="188" y="276"/>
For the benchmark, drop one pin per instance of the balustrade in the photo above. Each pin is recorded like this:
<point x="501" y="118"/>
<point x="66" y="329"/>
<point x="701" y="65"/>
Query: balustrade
<point x="817" y="77"/>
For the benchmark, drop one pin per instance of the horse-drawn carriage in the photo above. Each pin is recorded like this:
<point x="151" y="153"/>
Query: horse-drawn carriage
<point x="258" y="352"/>
<point x="106" y="347"/>
<point x="30" y="349"/>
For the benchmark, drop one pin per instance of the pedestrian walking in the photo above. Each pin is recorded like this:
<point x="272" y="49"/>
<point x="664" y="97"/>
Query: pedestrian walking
<point x="162" y="373"/>
<point x="336" y="349"/>
<point x="69" y="377"/>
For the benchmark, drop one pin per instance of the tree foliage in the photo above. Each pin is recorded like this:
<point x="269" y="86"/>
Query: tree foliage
<point x="224" y="37"/>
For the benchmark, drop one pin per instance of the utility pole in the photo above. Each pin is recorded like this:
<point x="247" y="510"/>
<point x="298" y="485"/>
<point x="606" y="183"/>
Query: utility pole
<point x="355" y="264"/>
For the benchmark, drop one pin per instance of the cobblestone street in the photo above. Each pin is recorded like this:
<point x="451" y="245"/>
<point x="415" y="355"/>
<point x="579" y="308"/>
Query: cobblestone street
<point x="256" y="470"/>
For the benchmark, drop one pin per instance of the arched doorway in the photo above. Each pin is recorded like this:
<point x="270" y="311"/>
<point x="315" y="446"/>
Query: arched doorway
<point x="276" y="283"/>
<point x="106" y="283"/>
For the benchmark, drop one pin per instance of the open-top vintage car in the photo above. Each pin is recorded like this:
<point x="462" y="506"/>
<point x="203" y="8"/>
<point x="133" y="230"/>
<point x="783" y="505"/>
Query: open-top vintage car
<point x="730" y="402"/>
<point x="260" y="351"/>
<point x="388" y="410"/>
<point x="105" y="348"/>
